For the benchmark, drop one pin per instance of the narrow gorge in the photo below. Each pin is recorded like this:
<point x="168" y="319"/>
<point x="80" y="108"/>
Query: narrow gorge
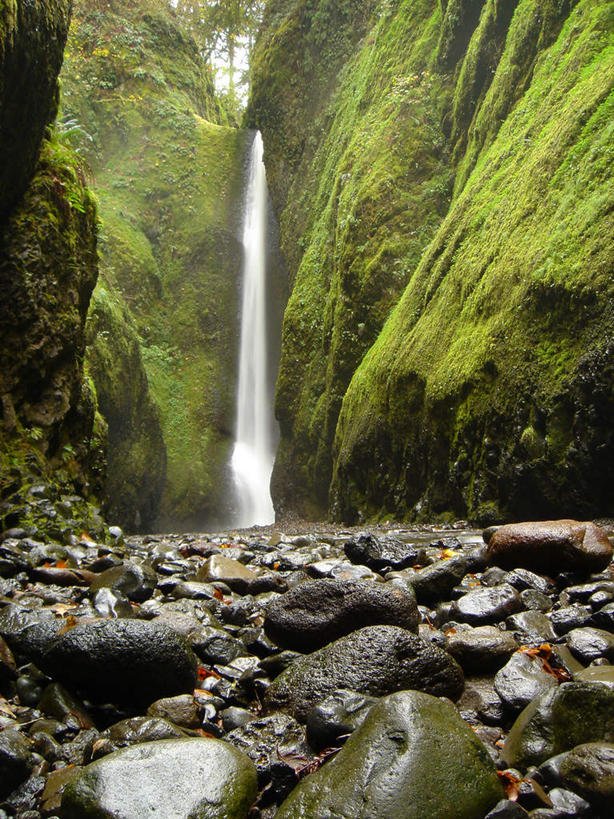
<point x="306" y="409"/>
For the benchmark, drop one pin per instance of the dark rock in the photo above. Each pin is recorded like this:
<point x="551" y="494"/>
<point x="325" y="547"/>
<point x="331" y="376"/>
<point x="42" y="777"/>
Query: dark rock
<point x="480" y="701"/>
<point x="490" y="605"/>
<point x="412" y="757"/>
<point x="380" y="554"/>
<point x="376" y="660"/>
<point x="124" y="661"/>
<point x="588" y="770"/>
<point x="136" y="581"/>
<point x="506" y="809"/>
<point x="135" y="730"/>
<point x="531" y="627"/>
<point x="521" y="680"/>
<point x="315" y="613"/>
<point x="563" y="545"/>
<point x="8" y="669"/>
<point x="569" y="617"/>
<point x="57" y="702"/>
<point x="277" y="746"/>
<point x="182" y="710"/>
<point x="28" y="633"/>
<point x="337" y="716"/>
<point x="435" y="582"/>
<point x="602" y="674"/>
<point x="522" y="579"/>
<point x="567" y="803"/>
<point x="535" y="600"/>
<point x="209" y="778"/>
<point x="15" y="760"/>
<point x="558" y="720"/>
<point x="234" y="574"/>
<point x="589" y="644"/>
<point x="234" y="717"/>
<point x="481" y="649"/>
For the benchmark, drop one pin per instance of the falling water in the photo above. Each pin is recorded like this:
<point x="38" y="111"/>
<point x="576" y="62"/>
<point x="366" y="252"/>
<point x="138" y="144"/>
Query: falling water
<point x="254" y="451"/>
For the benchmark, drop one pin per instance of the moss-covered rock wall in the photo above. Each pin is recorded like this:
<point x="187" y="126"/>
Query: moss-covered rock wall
<point x="162" y="336"/>
<point x="48" y="266"/>
<point x="456" y="156"/>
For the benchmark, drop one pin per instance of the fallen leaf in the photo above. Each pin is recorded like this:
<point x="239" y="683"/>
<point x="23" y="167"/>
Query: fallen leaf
<point x="5" y="708"/>
<point x="511" y="784"/>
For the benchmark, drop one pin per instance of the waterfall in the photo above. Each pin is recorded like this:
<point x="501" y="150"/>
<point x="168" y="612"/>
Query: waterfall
<point x="254" y="450"/>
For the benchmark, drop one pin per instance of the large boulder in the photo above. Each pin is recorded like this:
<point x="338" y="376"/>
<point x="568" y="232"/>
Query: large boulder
<point x="182" y="778"/>
<point x="413" y="757"/>
<point x="375" y="660"/>
<point x="315" y="613"/>
<point x="558" y="720"/>
<point x="123" y="661"/>
<point x="589" y="770"/>
<point x="551" y="546"/>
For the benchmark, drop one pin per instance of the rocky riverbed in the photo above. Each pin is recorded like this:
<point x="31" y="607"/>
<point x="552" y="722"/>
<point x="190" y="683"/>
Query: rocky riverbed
<point x="308" y="671"/>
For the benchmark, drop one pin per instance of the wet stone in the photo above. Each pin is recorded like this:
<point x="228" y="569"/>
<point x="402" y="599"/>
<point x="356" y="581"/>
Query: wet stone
<point x="278" y="747"/>
<point x="568" y="803"/>
<point x="315" y="613"/>
<point x="380" y="554"/>
<point x="588" y="644"/>
<point x="531" y="627"/>
<point x="482" y="648"/>
<point x="483" y="606"/>
<point x="569" y="617"/>
<point x="209" y="778"/>
<point x="181" y="710"/>
<point x="521" y="680"/>
<point x="134" y="581"/>
<point x="589" y="771"/>
<point x="15" y="760"/>
<point x="376" y="660"/>
<point x="506" y="809"/>
<point x="435" y="582"/>
<point x="535" y="600"/>
<point x="337" y="716"/>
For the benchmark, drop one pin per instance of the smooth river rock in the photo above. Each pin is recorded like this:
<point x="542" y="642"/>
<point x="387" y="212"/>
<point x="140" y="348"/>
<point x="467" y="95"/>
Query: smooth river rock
<point x="124" y="661"/>
<point x="558" y="720"/>
<point x="486" y="605"/>
<point x="589" y="770"/>
<point x="315" y="613"/>
<point x="551" y="546"/>
<point x="178" y="778"/>
<point x="376" y="660"/>
<point x="481" y="649"/>
<point x="413" y="757"/>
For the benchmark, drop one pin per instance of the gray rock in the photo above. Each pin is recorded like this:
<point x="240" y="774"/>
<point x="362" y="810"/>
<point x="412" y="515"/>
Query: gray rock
<point x="315" y="613"/>
<point x="506" y="809"/>
<point x="567" y="803"/>
<point x="234" y="574"/>
<point x="277" y="746"/>
<point x="380" y="554"/>
<point x="604" y="618"/>
<point x="135" y="730"/>
<point x="521" y="680"/>
<point x="435" y="582"/>
<point x="376" y="660"/>
<point x="28" y="633"/>
<point x="550" y="546"/>
<point x="179" y="778"/>
<point x="123" y="661"/>
<point x="535" y="600"/>
<point x="481" y="649"/>
<point x="531" y="627"/>
<point x="603" y="674"/>
<point x="489" y="605"/>
<point x="337" y="716"/>
<point x="412" y="758"/>
<point x="181" y="710"/>
<point x="558" y="720"/>
<point x="15" y="760"/>
<point x="569" y="617"/>
<point x="589" y="770"/>
<point x="522" y="579"/>
<point x="588" y="644"/>
<point x="136" y="581"/>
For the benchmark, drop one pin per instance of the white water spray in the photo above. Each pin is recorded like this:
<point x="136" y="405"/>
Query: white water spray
<point x="254" y="450"/>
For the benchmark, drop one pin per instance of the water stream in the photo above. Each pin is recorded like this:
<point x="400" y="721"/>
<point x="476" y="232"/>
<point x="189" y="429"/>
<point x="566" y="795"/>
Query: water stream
<point x="254" y="450"/>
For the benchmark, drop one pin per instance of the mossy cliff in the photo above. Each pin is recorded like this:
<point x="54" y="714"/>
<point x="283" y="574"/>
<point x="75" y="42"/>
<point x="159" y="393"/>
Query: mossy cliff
<point x="32" y="38"/>
<point x="454" y="157"/>
<point x="48" y="267"/>
<point x="162" y="335"/>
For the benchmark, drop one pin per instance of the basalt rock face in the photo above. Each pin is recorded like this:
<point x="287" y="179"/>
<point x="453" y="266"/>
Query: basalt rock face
<point x="32" y="38"/>
<point x="48" y="263"/>
<point x="449" y="159"/>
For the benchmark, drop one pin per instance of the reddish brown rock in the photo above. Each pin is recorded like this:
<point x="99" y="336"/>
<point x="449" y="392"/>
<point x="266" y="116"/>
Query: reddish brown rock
<point x="551" y="546"/>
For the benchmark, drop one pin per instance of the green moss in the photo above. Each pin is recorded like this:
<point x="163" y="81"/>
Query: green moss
<point x="170" y="185"/>
<point x="508" y="313"/>
<point x="32" y="38"/>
